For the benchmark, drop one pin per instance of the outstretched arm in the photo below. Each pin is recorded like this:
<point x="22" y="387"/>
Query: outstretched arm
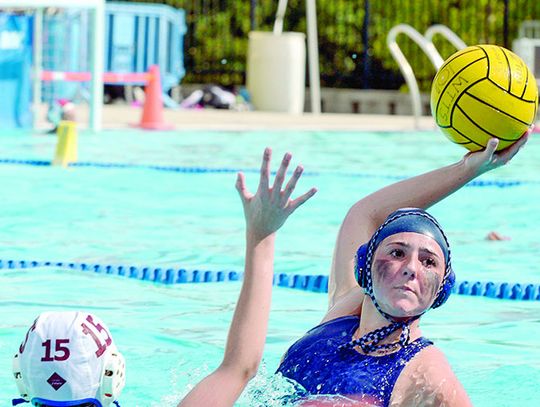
<point x="422" y="191"/>
<point x="265" y="213"/>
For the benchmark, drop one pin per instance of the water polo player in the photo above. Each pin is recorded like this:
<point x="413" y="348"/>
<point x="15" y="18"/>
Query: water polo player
<point x="68" y="358"/>
<point x="391" y="264"/>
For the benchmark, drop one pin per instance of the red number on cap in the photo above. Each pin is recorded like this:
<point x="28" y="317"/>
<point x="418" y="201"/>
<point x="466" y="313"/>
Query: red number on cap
<point x="23" y="345"/>
<point x="63" y="350"/>
<point x="99" y="328"/>
<point x="102" y="347"/>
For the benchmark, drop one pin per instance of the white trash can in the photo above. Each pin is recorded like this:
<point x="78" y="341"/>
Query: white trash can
<point x="276" y="71"/>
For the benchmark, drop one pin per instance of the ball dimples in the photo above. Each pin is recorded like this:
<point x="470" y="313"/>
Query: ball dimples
<point x="481" y="92"/>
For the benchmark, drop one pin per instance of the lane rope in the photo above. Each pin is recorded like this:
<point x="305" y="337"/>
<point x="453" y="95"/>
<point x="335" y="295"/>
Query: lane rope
<point x="313" y="283"/>
<point x="209" y="170"/>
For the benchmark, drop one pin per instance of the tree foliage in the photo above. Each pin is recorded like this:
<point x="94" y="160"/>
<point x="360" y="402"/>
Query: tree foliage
<point x="352" y="55"/>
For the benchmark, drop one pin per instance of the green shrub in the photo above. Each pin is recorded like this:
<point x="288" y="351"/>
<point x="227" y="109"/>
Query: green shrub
<point x="216" y="42"/>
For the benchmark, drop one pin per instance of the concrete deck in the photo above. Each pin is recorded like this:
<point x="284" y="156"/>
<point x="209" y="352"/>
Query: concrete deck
<point x="122" y="116"/>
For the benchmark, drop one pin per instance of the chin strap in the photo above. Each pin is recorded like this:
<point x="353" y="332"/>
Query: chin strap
<point x="370" y="342"/>
<point x="116" y="403"/>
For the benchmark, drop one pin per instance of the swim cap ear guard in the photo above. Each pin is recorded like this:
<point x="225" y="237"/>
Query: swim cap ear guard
<point x="406" y="220"/>
<point x="113" y="379"/>
<point x="360" y="266"/>
<point x="18" y="379"/>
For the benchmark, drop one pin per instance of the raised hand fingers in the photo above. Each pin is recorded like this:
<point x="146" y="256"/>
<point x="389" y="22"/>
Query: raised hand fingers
<point x="278" y="197"/>
<point x="241" y="187"/>
<point x="301" y="199"/>
<point x="291" y="184"/>
<point x="280" y="175"/>
<point x="265" y="170"/>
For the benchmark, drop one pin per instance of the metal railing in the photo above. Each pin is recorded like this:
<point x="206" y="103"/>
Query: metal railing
<point x="447" y="33"/>
<point x="425" y="43"/>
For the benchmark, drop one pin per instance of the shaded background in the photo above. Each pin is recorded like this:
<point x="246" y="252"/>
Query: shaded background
<point x="352" y="35"/>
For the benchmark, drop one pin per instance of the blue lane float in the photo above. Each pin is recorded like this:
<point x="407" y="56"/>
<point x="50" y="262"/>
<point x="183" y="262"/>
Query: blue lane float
<point x="312" y="283"/>
<point x="207" y="170"/>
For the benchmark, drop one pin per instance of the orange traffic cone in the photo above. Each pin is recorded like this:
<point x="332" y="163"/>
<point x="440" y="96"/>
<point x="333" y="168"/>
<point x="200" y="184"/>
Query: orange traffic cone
<point x="152" y="117"/>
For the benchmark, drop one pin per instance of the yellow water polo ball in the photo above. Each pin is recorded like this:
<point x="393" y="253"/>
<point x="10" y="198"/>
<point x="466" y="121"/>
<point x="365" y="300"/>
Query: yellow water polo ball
<point x="481" y="92"/>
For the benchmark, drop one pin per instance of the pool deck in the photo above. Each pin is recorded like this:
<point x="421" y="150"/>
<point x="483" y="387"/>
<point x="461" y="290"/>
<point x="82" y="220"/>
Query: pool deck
<point x="230" y="120"/>
<point x="122" y="116"/>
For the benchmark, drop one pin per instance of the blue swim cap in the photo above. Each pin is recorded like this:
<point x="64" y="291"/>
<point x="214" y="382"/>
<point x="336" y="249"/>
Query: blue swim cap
<point x="414" y="220"/>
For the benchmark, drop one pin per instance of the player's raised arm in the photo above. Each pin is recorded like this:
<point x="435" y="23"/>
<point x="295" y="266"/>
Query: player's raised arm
<point x="421" y="191"/>
<point x="265" y="212"/>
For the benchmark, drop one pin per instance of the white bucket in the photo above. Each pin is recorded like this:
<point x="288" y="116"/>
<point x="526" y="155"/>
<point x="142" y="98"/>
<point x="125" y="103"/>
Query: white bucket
<point x="276" y="71"/>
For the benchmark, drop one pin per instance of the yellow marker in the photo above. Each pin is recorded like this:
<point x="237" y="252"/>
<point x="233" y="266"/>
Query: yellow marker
<point x="66" y="147"/>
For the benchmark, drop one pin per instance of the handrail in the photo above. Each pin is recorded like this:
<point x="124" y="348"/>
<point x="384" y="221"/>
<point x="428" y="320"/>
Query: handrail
<point x="447" y="33"/>
<point x="426" y="44"/>
<point x="404" y="65"/>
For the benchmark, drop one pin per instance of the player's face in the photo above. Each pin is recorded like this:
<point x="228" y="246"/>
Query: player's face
<point x="407" y="271"/>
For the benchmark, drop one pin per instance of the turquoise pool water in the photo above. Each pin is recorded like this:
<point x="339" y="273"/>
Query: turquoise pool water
<point x="173" y="336"/>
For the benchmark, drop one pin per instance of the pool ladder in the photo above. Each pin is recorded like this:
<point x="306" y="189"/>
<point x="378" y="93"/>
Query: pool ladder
<point x="426" y="44"/>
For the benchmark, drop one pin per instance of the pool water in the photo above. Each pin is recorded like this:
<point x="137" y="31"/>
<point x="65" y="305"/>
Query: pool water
<point x="173" y="335"/>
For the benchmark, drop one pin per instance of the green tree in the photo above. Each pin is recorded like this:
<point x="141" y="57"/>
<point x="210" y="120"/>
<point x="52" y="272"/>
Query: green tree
<point x="216" y="43"/>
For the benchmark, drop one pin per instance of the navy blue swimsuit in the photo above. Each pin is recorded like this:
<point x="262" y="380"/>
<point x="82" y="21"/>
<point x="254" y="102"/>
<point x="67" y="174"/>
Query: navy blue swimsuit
<point x="315" y="362"/>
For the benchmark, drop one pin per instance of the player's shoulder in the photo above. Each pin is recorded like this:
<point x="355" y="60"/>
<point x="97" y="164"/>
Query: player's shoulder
<point x="428" y="380"/>
<point x="432" y="364"/>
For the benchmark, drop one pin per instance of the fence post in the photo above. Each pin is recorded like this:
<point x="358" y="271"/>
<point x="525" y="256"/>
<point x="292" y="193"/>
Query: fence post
<point x="505" y="24"/>
<point x="365" y="39"/>
<point x="253" y="15"/>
